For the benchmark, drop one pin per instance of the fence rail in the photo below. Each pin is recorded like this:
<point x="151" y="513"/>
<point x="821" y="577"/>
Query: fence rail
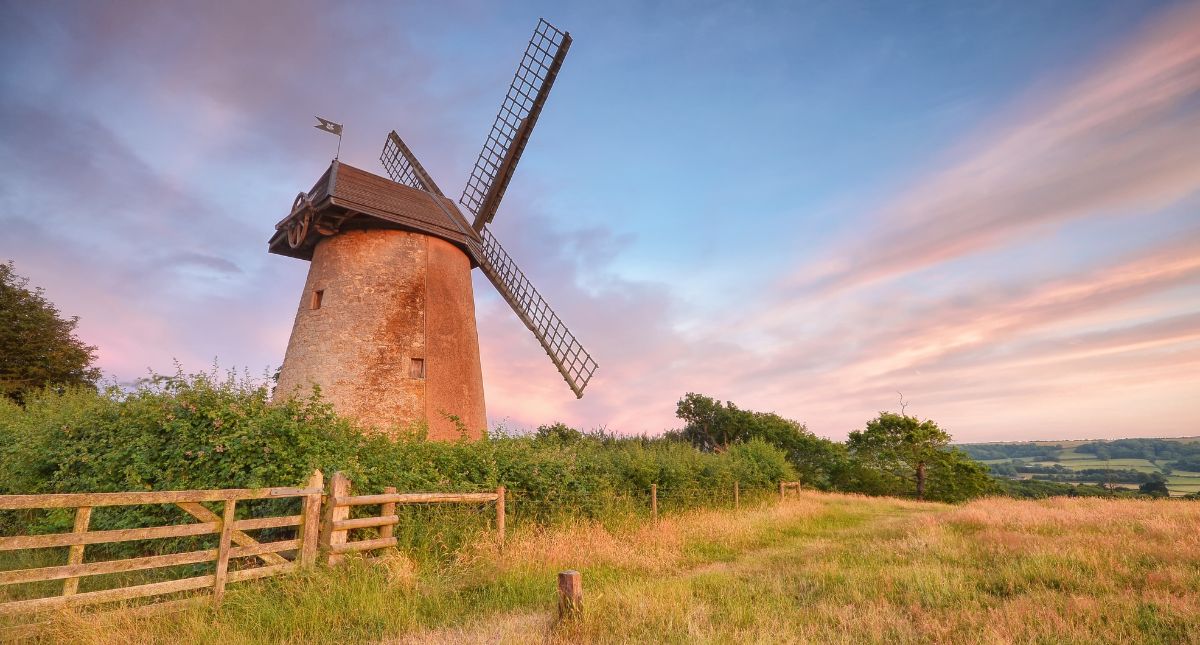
<point x="323" y="532"/>
<point x="77" y="500"/>
<point x="337" y="525"/>
<point x="233" y="543"/>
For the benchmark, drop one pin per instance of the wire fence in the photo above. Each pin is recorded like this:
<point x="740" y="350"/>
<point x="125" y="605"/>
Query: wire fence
<point x="553" y="507"/>
<point x="439" y="531"/>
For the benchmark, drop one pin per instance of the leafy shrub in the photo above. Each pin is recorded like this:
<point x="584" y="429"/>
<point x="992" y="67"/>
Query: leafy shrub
<point x="713" y="426"/>
<point x="204" y="431"/>
<point x="170" y="433"/>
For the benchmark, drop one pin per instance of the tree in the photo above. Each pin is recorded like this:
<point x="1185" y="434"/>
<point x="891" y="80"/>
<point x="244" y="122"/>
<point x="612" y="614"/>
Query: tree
<point x="38" y="347"/>
<point x="558" y="432"/>
<point x="713" y="426"/>
<point x="1155" y="487"/>
<point x="710" y="425"/>
<point x="955" y="477"/>
<point x="900" y="448"/>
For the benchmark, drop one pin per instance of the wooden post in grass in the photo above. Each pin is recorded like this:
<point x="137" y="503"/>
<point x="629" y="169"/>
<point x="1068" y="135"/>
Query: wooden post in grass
<point x="654" y="503"/>
<point x="339" y="487"/>
<point x="500" y="514"/>
<point x="83" y="517"/>
<point x="737" y="497"/>
<point x="570" y="595"/>
<point x="310" y="523"/>
<point x="387" y="509"/>
<point x="223" y="547"/>
<point x="781" y="491"/>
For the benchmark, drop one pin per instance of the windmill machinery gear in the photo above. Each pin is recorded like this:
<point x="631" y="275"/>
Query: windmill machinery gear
<point x="489" y="180"/>
<point x="300" y="220"/>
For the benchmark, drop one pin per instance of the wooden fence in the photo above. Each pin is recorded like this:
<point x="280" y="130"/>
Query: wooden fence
<point x="231" y="532"/>
<point x="336" y="525"/>
<point x="323" y="534"/>
<point x="323" y="528"/>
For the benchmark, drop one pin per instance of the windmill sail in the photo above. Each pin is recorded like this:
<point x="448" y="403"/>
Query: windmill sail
<point x="518" y="114"/>
<point x="402" y="166"/>
<point x="489" y="178"/>
<point x="572" y="360"/>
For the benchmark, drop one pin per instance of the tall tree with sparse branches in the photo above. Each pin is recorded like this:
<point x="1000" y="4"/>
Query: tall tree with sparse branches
<point x="38" y="346"/>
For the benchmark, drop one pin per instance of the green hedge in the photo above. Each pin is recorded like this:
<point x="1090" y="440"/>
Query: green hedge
<point x="204" y="431"/>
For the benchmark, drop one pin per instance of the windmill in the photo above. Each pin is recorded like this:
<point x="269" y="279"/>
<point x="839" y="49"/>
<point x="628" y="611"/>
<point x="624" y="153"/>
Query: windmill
<point x="386" y="322"/>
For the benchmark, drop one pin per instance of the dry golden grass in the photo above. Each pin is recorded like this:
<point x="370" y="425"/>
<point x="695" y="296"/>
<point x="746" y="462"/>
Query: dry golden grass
<point x="994" y="571"/>
<point x="818" y="568"/>
<point x="649" y="548"/>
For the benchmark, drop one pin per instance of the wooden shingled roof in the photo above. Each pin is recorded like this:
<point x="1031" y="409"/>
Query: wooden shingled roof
<point x="351" y="198"/>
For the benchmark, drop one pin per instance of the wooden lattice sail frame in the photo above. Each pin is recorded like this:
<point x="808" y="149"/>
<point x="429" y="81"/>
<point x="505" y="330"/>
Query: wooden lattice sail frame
<point x="481" y="197"/>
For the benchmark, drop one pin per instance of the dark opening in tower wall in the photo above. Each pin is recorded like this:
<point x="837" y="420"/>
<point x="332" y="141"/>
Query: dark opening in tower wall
<point x="317" y="296"/>
<point x="416" y="368"/>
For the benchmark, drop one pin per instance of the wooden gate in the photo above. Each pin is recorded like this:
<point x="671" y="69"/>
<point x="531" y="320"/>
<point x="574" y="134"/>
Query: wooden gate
<point x="324" y="528"/>
<point x="233" y="543"/>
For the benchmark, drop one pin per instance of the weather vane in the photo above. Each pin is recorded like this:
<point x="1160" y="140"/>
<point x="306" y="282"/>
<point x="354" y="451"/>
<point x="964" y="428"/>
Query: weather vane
<point x="332" y="128"/>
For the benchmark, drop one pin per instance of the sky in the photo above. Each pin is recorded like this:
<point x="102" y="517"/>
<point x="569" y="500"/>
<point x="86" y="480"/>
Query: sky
<point x="809" y="208"/>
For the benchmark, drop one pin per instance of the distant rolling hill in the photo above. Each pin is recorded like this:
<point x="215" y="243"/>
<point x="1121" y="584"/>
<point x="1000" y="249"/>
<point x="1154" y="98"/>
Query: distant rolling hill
<point x="1117" y="462"/>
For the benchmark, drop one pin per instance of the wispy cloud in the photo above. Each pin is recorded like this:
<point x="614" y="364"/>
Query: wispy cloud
<point x="157" y="145"/>
<point x="1123" y="140"/>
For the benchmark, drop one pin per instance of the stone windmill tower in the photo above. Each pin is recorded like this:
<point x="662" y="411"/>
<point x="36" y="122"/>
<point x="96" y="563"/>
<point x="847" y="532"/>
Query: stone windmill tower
<point x="386" y="322"/>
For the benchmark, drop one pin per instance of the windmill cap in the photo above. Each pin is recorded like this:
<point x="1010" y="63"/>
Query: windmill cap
<point x="346" y="198"/>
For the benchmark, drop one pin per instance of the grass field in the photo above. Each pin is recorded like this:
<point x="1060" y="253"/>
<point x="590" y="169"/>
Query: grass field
<point x="1183" y="483"/>
<point x="819" y="568"/>
<point x="1071" y="443"/>
<point x="1179" y="483"/>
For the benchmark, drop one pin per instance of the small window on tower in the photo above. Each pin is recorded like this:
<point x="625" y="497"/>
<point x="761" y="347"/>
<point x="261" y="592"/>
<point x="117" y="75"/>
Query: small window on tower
<point x="318" y="294"/>
<point x="416" y="368"/>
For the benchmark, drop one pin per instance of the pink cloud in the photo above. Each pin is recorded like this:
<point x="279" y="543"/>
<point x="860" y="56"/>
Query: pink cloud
<point x="984" y="355"/>
<point x="1118" y="141"/>
<point x="178" y="269"/>
<point x="994" y="342"/>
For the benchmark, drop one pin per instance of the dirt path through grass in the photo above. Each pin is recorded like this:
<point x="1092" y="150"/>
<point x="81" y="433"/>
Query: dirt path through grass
<point x="886" y="571"/>
<point x="721" y="578"/>
<point x="818" y="568"/>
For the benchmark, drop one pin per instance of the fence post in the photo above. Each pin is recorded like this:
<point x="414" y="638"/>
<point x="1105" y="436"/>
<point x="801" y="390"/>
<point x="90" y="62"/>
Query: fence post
<point x="310" y="521"/>
<point x="500" y="513"/>
<point x="339" y="487"/>
<point x="737" y="498"/>
<point x="83" y="517"/>
<point x="227" y="520"/>
<point x="654" y="503"/>
<point x="570" y="595"/>
<point x="388" y="530"/>
<point x="781" y="491"/>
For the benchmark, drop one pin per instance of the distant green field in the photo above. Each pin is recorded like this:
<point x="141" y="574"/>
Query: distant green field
<point x="1071" y="443"/>
<point x="1140" y="465"/>
<point x="1068" y="455"/>
<point x="1182" y="483"/>
<point x="1178" y="482"/>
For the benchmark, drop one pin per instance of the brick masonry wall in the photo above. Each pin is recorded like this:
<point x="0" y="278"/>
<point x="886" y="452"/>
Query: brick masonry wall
<point x="389" y="297"/>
